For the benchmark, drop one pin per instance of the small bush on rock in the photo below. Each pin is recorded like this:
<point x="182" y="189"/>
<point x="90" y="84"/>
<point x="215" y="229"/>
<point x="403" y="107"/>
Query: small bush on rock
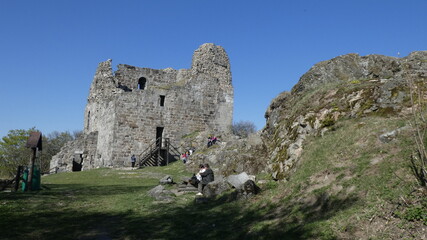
<point x="243" y="128"/>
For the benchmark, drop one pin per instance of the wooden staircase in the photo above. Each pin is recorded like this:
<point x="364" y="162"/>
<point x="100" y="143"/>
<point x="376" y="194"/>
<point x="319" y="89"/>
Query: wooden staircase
<point x="159" y="153"/>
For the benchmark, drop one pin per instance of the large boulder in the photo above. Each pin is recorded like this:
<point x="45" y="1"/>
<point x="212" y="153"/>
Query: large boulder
<point x="242" y="190"/>
<point x="250" y="188"/>
<point x="161" y="194"/>
<point x="215" y="188"/>
<point x="389" y="136"/>
<point x="238" y="180"/>
<point x="247" y="190"/>
<point x="231" y="155"/>
<point x="166" y="180"/>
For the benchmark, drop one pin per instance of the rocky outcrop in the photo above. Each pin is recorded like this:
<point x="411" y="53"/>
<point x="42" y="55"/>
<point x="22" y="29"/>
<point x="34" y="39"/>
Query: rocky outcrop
<point x="347" y="86"/>
<point x="230" y="155"/>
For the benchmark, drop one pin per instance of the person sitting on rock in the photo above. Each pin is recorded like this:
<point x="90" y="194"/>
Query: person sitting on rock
<point x="187" y="156"/>
<point x="214" y="140"/>
<point x="207" y="177"/>
<point x="202" y="169"/>
<point x="184" y="158"/>
<point x="209" y="141"/>
<point x="196" y="178"/>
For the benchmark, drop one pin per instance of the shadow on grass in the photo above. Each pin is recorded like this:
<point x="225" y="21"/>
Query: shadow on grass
<point x="218" y="219"/>
<point x="81" y="191"/>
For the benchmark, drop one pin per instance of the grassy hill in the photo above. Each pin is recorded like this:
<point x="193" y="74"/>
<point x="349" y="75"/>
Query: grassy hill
<point x="335" y="178"/>
<point x="348" y="185"/>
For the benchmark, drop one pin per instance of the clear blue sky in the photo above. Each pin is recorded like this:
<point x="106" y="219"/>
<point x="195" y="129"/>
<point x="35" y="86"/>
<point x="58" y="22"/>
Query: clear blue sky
<point x="49" y="50"/>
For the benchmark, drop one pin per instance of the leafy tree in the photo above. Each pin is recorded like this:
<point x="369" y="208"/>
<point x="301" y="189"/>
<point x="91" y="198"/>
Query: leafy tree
<point x="13" y="151"/>
<point x="243" y="128"/>
<point x="56" y="140"/>
<point x="77" y="133"/>
<point x="52" y="144"/>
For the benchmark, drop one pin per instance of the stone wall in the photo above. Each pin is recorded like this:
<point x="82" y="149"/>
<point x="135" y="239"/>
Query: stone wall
<point x="83" y="147"/>
<point x="125" y="108"/>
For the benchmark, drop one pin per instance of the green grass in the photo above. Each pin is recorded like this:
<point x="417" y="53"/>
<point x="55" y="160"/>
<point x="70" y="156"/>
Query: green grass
<point x="72" y="204"/>
<point x="367" y="178"/>
<point x="191" y="135"/>
<point x="368" y="175"/>
<point x="108" y="203"/>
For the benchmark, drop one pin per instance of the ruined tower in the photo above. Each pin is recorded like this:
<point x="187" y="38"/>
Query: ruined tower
<point x="130" y="108"/>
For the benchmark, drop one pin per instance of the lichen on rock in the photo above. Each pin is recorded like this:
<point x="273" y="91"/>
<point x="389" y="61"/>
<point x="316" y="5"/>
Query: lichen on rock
<point x="347" y="86"/>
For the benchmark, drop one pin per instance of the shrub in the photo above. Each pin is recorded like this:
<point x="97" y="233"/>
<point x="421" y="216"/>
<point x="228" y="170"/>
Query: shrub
<point x="243" y="128"/>
<point x="416" y="213"/>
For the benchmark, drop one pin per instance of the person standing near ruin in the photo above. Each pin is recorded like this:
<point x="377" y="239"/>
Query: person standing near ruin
<point x="133" y="160"/>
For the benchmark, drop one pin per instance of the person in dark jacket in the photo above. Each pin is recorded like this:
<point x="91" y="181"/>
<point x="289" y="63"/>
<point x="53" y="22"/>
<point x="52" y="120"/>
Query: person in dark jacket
<point x="207" y="177"/>
<point x="133" y="160"/>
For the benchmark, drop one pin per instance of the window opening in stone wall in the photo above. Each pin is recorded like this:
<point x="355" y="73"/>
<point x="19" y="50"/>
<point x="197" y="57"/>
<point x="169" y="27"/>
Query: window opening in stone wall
<point x="141" y="83"/>
<point x="162" y="101"/>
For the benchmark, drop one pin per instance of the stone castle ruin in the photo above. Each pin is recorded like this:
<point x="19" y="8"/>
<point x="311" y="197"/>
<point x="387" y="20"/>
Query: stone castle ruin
<point x="129" y="110"/>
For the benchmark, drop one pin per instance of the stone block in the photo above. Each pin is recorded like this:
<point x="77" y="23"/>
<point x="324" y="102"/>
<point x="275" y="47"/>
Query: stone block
<point x="237" y="181"/>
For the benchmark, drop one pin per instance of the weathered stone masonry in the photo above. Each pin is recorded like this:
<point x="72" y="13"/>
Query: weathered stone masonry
<point x="129" y="108"/>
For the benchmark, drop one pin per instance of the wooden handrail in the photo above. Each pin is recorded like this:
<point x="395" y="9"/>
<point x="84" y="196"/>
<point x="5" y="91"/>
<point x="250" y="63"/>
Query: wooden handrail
<point x="154" y="150"/>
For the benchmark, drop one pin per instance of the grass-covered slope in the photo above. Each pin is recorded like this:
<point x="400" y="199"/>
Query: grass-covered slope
<point x="337" y="180"/>
<point x="348" y="185"/>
